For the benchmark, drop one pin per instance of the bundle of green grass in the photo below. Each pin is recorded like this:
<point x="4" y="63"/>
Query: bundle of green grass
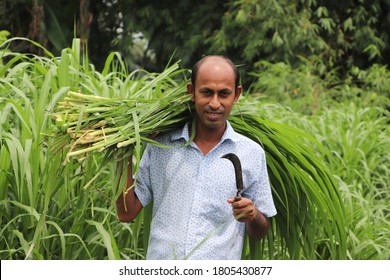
<point x="91" y="123"/>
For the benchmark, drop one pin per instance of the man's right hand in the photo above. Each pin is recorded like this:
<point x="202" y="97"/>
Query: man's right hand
<point x="128" y="205"/>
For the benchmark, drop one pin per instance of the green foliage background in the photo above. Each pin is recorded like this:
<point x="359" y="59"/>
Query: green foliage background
<point x="313" y="68"/>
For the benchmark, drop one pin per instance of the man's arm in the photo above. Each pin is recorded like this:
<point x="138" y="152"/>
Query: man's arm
<point x="258" y="227"/>
<point x="257" y="223"/>
<point x="128" y="205"/>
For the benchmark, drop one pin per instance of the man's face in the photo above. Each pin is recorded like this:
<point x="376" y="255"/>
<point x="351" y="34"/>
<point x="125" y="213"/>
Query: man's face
<point x="214" y="93"/>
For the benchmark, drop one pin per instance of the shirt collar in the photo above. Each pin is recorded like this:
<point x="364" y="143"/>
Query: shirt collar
<point x="229" y="134"/>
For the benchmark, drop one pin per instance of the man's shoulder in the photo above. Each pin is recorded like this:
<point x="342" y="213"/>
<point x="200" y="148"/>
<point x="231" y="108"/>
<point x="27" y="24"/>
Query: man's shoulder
<point x="171" y="138"/>
<point x="249" y="142"/>
<point x="248" y="149"/>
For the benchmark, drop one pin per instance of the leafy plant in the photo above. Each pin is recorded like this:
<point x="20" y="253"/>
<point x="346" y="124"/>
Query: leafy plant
<point x="358" y="142"/>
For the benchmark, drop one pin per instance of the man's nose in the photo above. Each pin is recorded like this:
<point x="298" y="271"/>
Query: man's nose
<point x="214" y="102"/>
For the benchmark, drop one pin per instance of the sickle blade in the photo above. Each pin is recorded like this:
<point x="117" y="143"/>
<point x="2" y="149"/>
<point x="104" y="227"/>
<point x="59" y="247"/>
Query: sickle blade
<point x="238" y="172"/>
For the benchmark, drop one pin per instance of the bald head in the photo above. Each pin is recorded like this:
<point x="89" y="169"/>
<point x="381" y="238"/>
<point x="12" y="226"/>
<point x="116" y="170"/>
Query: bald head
<point x="215" y="59"/>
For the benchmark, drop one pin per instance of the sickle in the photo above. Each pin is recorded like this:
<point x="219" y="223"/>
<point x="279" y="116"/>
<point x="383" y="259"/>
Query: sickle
<point x="238" y="171"/>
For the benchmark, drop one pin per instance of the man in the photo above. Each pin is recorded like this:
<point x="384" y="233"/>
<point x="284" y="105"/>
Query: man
<point x="194" y="213"/>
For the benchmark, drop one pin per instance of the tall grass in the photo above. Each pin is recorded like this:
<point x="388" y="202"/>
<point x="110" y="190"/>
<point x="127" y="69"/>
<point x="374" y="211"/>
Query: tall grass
<point x="45" y="213"/>
<point x="358" y="141"/>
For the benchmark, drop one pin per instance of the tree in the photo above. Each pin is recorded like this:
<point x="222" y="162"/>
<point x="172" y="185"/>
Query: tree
<point x="341" y="34"/>
<point x="150" y="33"/>
<point x="173" y="29"/>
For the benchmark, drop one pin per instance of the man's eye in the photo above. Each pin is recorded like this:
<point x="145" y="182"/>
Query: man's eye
<point x="224" y="93"/>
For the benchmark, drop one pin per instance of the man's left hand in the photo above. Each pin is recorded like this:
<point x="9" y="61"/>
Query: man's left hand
<point x="243" y="210"/>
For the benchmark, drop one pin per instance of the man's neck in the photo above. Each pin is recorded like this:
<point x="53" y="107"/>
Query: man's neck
<point x="207" y="138"/>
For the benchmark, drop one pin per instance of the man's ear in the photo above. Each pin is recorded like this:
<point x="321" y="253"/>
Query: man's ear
<point x="237" y="93"/>
<point x="190" y="90"/>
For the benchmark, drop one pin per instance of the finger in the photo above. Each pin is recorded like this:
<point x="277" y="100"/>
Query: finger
<point x="243" y="203"/>
<point x="242" y="216"/>
<point x="230" y="200"/>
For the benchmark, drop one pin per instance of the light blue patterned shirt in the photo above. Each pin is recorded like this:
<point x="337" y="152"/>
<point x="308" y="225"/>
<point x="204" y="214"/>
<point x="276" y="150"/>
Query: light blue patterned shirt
<point x="191" y="216"/>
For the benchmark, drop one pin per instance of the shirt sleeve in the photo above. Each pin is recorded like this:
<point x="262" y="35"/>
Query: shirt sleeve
<point x="259" y="189"/>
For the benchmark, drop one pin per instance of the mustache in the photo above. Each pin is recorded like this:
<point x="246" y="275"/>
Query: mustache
<point x="214" y="111"/>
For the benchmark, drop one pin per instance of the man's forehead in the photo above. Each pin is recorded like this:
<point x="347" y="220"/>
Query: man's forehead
<point x="216" y="65"/>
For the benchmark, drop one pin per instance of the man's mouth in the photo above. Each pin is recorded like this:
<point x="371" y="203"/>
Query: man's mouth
<point x="213" y="115"/>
